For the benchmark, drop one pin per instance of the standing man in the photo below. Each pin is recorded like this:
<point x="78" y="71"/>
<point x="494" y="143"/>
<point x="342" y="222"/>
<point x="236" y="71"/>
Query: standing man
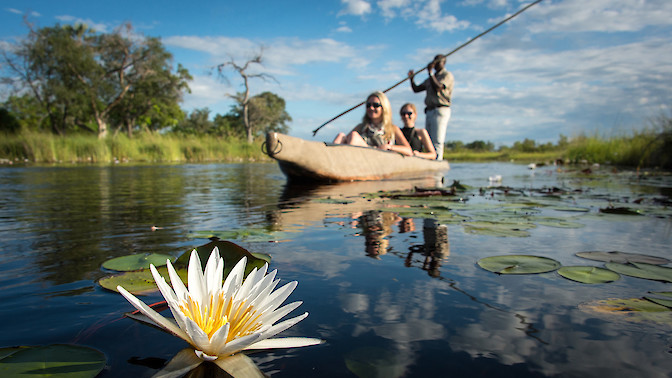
<point x="439" y="88"/>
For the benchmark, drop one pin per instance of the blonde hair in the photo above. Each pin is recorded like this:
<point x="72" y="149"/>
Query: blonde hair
<point x="388" y="126"/>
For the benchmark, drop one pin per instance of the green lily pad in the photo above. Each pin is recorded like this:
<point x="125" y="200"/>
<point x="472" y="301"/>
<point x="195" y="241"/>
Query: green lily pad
<point x="230" y="252"/>
<point x="663" y="302"/>
<point x="518" y="264"/>
<point x="139" y="282"/>
<point x="58" y="360"/>
<point x="622" y="257"/>
<point x="588" y="274"/>
<point x="662" y="293"/>
<point x="636" y="310"/>
<point x="557" y="222"/>
<point x="641" y="270"/>
<point x="136" y="262"/>
<point x="250" y="235"/>
<point x="503" y="229"/>
<point x="335" y="201"/>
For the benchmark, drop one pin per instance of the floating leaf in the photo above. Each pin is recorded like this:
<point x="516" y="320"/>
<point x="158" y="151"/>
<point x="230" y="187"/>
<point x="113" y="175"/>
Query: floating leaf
<point x="641" y="270"/>
<point x="662" y="293"/>
<point x="58" y="360"/>
<point x="139" y="282"/>
<point x="518" y="264"/>
<point x="503" y="229"/>
<point x="622" y="257"/>
<point x="250" y="235"/>
<point x="632" y="310"/>
<point x="335" y="201"/>
<point x="136" y="262"/>
<point x="230" y="252"/>
<point x="660" y="301"/>
<point x="588" y="274"/>
<point x="557" y="222"/>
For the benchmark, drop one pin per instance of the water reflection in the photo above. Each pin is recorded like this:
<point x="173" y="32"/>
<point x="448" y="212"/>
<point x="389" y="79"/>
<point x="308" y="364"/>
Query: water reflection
<point x="436" y="247"/>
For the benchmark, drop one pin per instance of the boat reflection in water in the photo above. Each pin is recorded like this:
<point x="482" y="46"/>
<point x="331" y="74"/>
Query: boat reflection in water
<point x="302" y="205"/>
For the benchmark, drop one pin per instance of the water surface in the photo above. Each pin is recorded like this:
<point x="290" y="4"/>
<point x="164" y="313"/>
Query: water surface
<point x="392" y="295"/>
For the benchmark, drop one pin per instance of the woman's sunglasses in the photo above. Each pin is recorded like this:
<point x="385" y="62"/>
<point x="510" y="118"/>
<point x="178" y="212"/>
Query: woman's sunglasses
<point x="408" y="114"/>
<point x="374" y="105"/>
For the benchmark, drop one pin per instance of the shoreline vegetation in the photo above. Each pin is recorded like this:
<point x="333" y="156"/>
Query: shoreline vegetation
<point x="649" y="148"/>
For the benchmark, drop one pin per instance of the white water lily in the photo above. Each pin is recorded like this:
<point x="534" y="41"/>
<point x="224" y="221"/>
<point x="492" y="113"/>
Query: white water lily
<point x="221" y="319"/>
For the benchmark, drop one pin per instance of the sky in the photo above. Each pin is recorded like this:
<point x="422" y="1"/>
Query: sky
<point x="562" y="67"/>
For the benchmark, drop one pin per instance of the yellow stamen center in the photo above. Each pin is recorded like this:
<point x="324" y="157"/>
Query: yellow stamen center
<point x="210" y="318"/>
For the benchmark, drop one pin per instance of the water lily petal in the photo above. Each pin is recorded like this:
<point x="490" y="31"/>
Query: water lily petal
<point x="285" y="342"/>
<point x="214" y="271"/>
<point x="239" y="344"/>
<point x="218" y="339"/>
<point x="198" y="338"/>
<point x="195" y="279"/>
<point x="277" y="297"/>
<point x="235" y="278"/>
<point x="284" y="325"/>
<point x="153" y="315"/>
<point x="170" y="296"/>
<point x="272" y="317"/>
<point x="181" y="291"/>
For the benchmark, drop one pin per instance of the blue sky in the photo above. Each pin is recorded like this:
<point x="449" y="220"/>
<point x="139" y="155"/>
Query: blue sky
<point x="562" y="67"/>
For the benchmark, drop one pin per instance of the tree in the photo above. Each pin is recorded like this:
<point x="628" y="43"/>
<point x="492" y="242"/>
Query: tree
<point x="86" y="80"/>
<point x="197" y="122"/>
<point x="244" y="97"/>
<point x="266" y="112"/>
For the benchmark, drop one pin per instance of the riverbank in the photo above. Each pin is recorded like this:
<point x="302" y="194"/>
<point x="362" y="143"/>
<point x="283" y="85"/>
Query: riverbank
<point x="643" y="149"/>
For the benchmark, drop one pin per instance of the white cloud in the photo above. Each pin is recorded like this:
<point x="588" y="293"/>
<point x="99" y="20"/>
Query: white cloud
<point x="601" y="15"/>
<point x="355" y="7"/>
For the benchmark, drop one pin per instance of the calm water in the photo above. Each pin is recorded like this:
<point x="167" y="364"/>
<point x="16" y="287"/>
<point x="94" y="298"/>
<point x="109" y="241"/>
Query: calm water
<point x="392" y="295"/>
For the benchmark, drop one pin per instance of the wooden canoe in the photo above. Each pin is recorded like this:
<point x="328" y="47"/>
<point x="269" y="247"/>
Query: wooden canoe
<point x="300" y="159"/>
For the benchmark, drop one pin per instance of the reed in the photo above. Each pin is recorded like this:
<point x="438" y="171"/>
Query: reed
<point x="39" y="147"/>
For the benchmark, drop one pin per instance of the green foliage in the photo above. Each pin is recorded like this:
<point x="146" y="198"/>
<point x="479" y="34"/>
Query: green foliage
<point x="40" y="147"/>
<point x="8" y="123"/>
<point x="74" y="79"/>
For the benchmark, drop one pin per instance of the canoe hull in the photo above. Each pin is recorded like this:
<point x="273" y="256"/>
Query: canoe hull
<point x="304" y="160"/>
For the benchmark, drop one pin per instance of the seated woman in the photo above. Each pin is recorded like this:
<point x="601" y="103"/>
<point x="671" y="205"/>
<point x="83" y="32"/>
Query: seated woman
<point x="377" y="129"/>
<point x="419" y="140"/>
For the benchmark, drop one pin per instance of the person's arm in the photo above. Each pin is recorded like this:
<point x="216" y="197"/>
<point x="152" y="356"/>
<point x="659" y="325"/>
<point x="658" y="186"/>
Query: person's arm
<point x="416" y="88"/>
<point x="436" y="84"/>
<point x="428" y="146"/>
<point x="400" y="143"/>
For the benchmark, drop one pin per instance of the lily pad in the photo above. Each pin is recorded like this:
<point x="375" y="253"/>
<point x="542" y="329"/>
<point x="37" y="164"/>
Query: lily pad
<point x="622" y="257"/>
<point x="136" y="262"/>
<point x="250" y="235"/>
<point x="636" y="310"/>
<point x="641" y="270"/>
<point x="502" y="229"/>
<point x="58" y="360"/>
<point x="139" y="282"/>
<point x="518" y="264"/>
<point x="663" y="302"/>
<point x="557" y="222"/>
<point x="588" y="274"/>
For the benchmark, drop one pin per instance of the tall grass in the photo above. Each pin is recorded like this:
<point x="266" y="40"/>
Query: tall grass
<point x="48" y="148"/>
